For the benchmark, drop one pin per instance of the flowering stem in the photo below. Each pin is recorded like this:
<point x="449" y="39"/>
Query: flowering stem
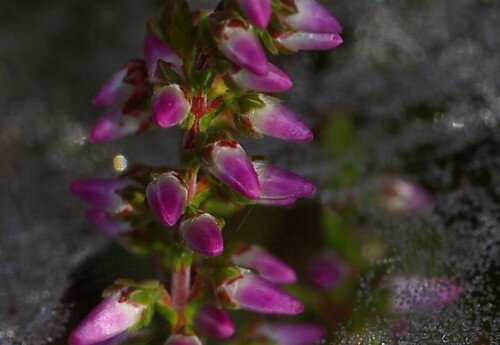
<point x="181" y="281"/>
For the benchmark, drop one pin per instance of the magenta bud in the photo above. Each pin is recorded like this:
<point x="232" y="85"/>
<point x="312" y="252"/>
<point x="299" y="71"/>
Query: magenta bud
<point x="167" y="197"/>
<point x="274" y="81"/>
<point x="202" y="234"/>
<point x="179" y="339"/>
<point x="267" y="265"/>
<point x="257" y="11"/>
<point x="156" y="50"/>
<point x="312" y="17"/>
<point x="241" y="46"/>
<point x="114" y="91"/>
<point x="277" y="121"/>
<point x="107" y="223"/>
<point x="114" y="125"/>
<point x="326" y="271"/>
<point x="410" y="293"/>
<point x="113" y="316"/>
<point x="295" y="41"/>
<point x="231" y="165"/>
<point x="170" y="106"/>
<point x="251" y="292"/>
<point x="101" y="193"/>
<point x="290" y="334"/>
<point x="280" y="184"/>
<point x="213" y="322"/>
<point x="406" y="196"/>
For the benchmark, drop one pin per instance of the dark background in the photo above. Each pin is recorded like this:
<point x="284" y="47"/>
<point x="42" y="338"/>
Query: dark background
<point x="419" y="78"/>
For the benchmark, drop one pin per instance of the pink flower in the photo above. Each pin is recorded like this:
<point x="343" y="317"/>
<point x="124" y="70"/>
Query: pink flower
<point x="290" y="334"/>
<point x="202" y="234"/>
<point x="213" y="322"/>
<point x="155" y="50"/>
<point x="257" y="11"/>
<point x="167" y="197"/>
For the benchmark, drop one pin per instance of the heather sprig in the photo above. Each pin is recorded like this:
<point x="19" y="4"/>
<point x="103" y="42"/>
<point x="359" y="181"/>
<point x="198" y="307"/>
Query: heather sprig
<point x="207" y="74"/>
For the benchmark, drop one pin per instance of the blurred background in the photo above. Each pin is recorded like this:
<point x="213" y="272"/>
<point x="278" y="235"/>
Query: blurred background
<point x="412" y="95"/>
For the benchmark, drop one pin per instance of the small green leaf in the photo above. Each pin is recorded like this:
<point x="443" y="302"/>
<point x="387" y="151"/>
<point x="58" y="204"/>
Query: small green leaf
<point x="268" y="41"/>
<point x="168" y="313"/>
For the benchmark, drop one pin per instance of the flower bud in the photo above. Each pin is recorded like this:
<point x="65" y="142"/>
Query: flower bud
<point x="267" y="265"/>
<point x="410" y="293"/>
<point x="114" y="125"/>
<point x="274" y="81"/>
<point x="213" y="322"/>
<point x="326" y="271"/>
<point x="156" y="50"/>
<point x="229" y="163"/>
<point x="312" y="17"/>
<point x="280" y="184"/>
<point x="290" y="334"/>
<point x="101" y="192"/>
<point x="295" y="41"/>
<point x="257" y="11"/>
<point x="167" y="197"/>
<point x="241" y="46"/>
<point x="170" y="106"/>
<point x="107" y="223"/>
<point x="251" y="292"/>
<point x="114" y="91"/>
<point x="113" y="316"/>
<point x="406" y="196"/>
<point x="179" y="339"/>
<point x="202" y="234"/>
<point x="277" y="121"/>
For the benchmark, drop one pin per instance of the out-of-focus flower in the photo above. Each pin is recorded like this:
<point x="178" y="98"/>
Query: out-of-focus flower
<point x="116" y="314"/>
<point x="229" y="163"/>
<point x="240" y="45"/>
<point x="280" y="184"/>
<point x="115" y="125"/>
<point x="155" y="50"/>
<point x="257" y="11"/>
<point x="267" y="265"/>
<point x="180" y="339"/>
<point x="102" y="193"/>
<point x="274" y="81"/>
<point x="169" y="106"/>
<point x="312" y="17"/>
<point x="213" y="322"/>
<point x="406" y="196"/>
<point x="295" y="41"/>
<point x="289" y="334"/>
<point x="251" y="292"/>
<point x="107" y="223"/>
<point x="326" y="270"/>
<point x="414" y="292"/>
<point x="167" y="197"/>
<point x="202" y="234"/>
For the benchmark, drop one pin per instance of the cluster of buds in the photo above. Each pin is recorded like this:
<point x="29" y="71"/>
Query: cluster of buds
<point x="208" y="74"/>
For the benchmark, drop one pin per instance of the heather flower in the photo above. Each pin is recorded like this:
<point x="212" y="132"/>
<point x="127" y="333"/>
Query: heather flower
<point x="114" y="91"/>
<point x="414" y="292"/>
<point x="113" y="316"/>
<point x="312" y="17"/>
<point x="156" y="51"/>
<point x="280" y="184"/>
<point x="257" y="11"/>
<point x="202" y="234"/>
<point x="213" y="322"/>
<point x="169" y="106"/>
<point x="229" y="163"/>
<point x="326" y="271"/>
<point x="406" y="196"/>
<point x="241" y="46"/>
<point x="274" y="81"/>
<point x="107" y="223"/>
<point x="102" y="193"/>
<point x="115" y="125"/>
<point x="276" y="120"/>
<point x="179" y="339"/>
<point x="267" y="265"/>
<point x="301" y="40"/>
<point x="251" y="292"/>
<point x="289" y="334"/>
<point x="167" y="197"/>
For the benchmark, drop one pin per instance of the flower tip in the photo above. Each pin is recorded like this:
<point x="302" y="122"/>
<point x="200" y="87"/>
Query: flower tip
<point x="170" y="106"/>
<point x="202" y="234"/>
<point x="257" y="11"/>
<point x="214" y="322"/>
